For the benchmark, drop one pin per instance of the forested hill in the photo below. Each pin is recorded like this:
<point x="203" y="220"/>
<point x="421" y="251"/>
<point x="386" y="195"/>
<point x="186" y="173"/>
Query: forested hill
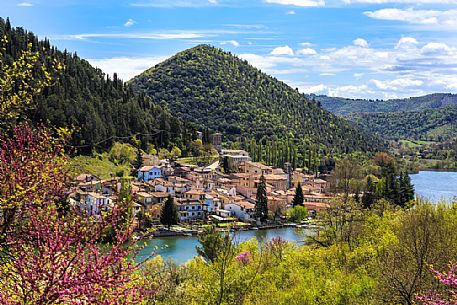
<point x="84" y="97"/>
<point x="344" y="106"/>
<point x="213" y="88"/>
<point x="431" y="124"/>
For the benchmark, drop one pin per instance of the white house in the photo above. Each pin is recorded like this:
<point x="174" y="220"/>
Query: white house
<point x="189" y="209"/>
<point x="242" y="210"/>
<point x="165" y="186"/>
<point x="147" y="173"/>
<point x="94" y="203"/>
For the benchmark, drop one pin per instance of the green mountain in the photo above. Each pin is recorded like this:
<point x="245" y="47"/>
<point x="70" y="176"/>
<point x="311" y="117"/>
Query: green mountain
<point x="217" y="90"/>
<point x="431" y="124"/>
<point x="344" y="106"/>
<point x="102" y="109"/>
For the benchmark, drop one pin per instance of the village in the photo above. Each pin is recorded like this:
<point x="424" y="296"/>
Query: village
<point x="205" y="194"/>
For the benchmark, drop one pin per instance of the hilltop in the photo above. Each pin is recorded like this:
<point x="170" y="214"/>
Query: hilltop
<point x="216" y="90"/>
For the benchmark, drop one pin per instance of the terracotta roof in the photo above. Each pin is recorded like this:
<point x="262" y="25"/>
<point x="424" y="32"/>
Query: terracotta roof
<point x="195" y="192"/>
<point x="246" y="205"/>
<point x="160" y="194"/>
<point x="274" y="177"/>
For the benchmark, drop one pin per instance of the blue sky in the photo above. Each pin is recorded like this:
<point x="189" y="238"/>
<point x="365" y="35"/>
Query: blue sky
<point x="350" y="48"/>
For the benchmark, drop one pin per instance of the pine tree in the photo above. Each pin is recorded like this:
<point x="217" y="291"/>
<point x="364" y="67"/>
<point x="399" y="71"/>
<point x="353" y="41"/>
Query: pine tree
<point x="169" y="214"/>
<point x="406" y="189"/>
<point x="261" y="205"/>
<point x="298" y="197"/>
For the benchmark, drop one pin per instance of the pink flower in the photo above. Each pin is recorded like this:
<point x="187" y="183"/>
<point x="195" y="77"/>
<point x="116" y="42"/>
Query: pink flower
<point x="243" y="258"/>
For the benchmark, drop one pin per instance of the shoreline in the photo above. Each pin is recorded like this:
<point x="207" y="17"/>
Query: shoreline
<point x="190" y="233"/>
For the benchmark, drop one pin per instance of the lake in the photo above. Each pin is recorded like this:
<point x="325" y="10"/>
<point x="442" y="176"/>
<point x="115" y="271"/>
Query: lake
<point x="435" y="185"/>
<point x="182" y="248"/>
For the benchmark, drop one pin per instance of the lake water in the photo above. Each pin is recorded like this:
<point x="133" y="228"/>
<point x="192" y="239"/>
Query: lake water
<point x="181" y="249"/>
<point x="435" y="185"/>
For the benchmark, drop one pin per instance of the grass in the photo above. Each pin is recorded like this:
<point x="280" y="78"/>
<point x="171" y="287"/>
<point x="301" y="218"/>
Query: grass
<point x="99" y="165"/>
<point x="414" y="143"/>
<point x="197" y="160"/>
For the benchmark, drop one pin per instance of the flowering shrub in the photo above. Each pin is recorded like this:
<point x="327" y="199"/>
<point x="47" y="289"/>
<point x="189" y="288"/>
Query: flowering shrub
<point x="243" y="258"/>
<point x="50" y="255"/>
<point x="448" y="295"/>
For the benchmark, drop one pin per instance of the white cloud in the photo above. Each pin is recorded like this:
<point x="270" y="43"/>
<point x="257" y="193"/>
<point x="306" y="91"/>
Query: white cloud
<point x="291" y="12"/>
<point x="306" y="51"/>
<point x="360" y="42"/>
<point x="402" y="1"/>
<point x="302" y="3"/>
<point x="25" y="4"/>
<point x="285" y="50"/>
<point x="435" y="48"/>
<point x="316" y="89"/>
<point x="159" y="36"/>
<point x="446" y="18"/>
<point x="397" y="84"/>
<point x="174" y="3"/>
<point x="232" y="42"/>
<point x="407" y="68"/>
<point x="125" y="67"/>
<point x="406" y="42"/>
<point x="350" y="91"/>
<point x="129" y="22"/>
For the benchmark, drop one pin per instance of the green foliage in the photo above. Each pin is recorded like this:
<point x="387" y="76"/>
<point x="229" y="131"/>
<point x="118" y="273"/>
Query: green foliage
<point x="100" y="166"/>
<point x="98" y="106"/>
<point x="212" y="243"/>
<point x="169" y="214"/>
<point x="430" y="124"/>
<point x="365" y="257"/>
<point x="216" y="90"/>
<point x="345" y="106"/>
<point x="298" y="213"/>
<point x="121" y="153"/>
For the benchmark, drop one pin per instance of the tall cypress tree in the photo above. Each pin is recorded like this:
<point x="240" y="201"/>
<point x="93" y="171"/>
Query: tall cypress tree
<point x="169" y="214"/>
<point x="298" y="197"/>
<point x="261" y="207"/>
<point x="406" y="189"/>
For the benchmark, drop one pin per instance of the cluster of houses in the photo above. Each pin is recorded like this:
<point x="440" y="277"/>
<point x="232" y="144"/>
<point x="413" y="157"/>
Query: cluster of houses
<point x="204" y="193"/>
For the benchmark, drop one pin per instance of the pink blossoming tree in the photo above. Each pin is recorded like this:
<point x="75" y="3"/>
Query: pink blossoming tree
<point x="447" y="295"/>
<point x="51" y="256"/>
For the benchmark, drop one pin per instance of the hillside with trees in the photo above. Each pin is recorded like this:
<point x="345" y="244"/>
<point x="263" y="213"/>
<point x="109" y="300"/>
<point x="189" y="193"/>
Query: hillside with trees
<point x="100" y="108"/>
<point x="215" y="89"/>
<point x="431" y="124"/>
<point x="345" y="106"/>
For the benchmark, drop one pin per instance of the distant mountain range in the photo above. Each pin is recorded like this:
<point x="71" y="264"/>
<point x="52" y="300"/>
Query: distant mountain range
<point x="344" y="106"/>
<point x="217" y="90"/>
<point x="430" y="117"/>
